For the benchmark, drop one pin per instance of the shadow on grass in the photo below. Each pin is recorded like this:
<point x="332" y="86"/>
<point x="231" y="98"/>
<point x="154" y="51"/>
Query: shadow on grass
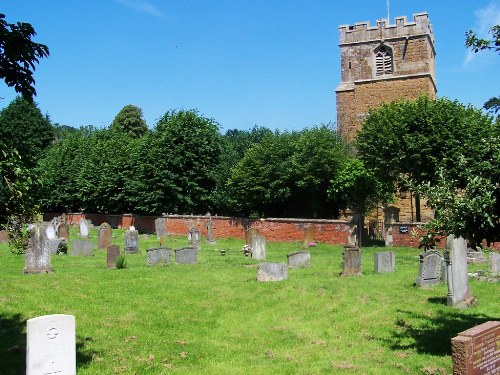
<point x="13" y="346"/>
<point x="432" y="335"/>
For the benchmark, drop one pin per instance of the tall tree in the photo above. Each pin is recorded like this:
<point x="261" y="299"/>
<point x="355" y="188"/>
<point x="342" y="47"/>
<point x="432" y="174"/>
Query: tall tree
<point x="130" y="121"/>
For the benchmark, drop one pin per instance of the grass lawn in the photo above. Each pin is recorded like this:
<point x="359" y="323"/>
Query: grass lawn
<point x="215" y="318"/>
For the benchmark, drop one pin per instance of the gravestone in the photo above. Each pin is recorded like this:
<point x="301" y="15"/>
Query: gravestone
<point x="494" y="263"/>
<point x="161" y="228"/>
<point x="84" y="228"/>
<point x="62" y="231"/>
<point x="459" y="293"/>
<point x="84" y="248"/>
<point x="51" y="232"/>
<point x="104" y="236"/>
<point x="186" y="255"/>
<point x="4" y="236"/>
<point x="388" y="236"/>
<point x="351" y="261"/>
<point x="132" y="241"/>
<point x="37" y="257"/>
<point x="112" y="252"/>
<point x="272" y="272"/>
<point x="477" y="350"/>
<point x="299" y="259"/>
<point x="160" y="255"/>
<point x="54" y="244"/>
<point x="429" y="270"/>
<point x="385" y="262"/>
<point x="249" y="233"/>
<point x="51" y="345"/>
<point x="309" y="235"/>
<point x="194" y="236"/>
<point x="475" y="257"/>
<point x="258" y="247"/>
<point x="210" y="234"/>
<point x="352" y="237"/>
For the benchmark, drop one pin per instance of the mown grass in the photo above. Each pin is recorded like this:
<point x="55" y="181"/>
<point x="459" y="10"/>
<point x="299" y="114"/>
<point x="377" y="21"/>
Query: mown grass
<point x="215" y="318"/>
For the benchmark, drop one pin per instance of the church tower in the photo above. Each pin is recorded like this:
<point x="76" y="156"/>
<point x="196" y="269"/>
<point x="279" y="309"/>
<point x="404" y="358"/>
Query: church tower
<point x="381" y="64"/>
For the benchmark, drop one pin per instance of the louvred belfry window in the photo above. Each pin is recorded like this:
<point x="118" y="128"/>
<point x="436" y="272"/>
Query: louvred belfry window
<point x="383" y="61"/>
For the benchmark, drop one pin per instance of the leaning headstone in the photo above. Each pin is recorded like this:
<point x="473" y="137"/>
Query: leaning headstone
<point x="84" y="228"/>
<point x="37" y="257"/>
<point x="160" y="255"/>
<point x="385" y="262"/>
<point x="194" y="236"/>
<point x="309" y="235"/>
<point x="104" y="236"/>
<point x="272" y="272"/>
<point x="186" y="255"/>
<point x="4" y="236"/>
<point x="112" y="253"/>
<point x="51" y="232"/>
<point x="477" y="350"/>
<point x="299" y="259"/>
<point x="84" y="248"/>
<point x="459" y="293"/>
<point x="258" y="247"/>
<point x="62" y="231"/>
<point x="249" y="233"/>
<point x="494" y="263"/>
<point x="131" y="241"/>
<point x="429" y="271"/>
<point x="351" y="261"/>
<point x="161" y="228"/>
<point x="51" y="345"/>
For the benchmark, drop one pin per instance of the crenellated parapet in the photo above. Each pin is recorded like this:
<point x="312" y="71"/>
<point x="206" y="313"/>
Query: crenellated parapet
<point x="362" y="32"/>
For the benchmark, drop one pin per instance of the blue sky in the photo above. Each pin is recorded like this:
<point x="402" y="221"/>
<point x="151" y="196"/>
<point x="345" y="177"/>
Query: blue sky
<point x="272" y="63"/>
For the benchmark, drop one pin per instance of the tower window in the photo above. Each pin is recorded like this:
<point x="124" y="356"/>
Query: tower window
<point x="383" y="61"/>
<point x="349" y="65"/>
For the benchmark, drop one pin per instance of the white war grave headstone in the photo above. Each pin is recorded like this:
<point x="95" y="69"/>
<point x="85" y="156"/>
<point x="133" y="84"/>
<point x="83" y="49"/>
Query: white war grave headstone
<point x="459" y="292"/>
<point x="84" y="228"/>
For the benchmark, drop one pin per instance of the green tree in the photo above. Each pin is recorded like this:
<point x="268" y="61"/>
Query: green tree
<point x="130" y="120"/>
<point x="479" y="44"/>
<point x="24" y="128"/>
<point x="18" y="56"/>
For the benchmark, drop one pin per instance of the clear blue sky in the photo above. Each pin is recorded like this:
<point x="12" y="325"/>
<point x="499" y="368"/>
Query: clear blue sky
<point x="272" y="63"/>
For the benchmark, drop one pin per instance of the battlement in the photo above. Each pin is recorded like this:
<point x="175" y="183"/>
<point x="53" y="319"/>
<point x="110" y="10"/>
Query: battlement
<point x="363" y="32"/>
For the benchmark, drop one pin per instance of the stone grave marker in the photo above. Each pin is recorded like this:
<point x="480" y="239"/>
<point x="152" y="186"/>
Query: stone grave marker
<point x="186" y="255"/>
<point x="475" y="257"/>
<point x="81" y="247"/>
<point x="84" y="228"/>
<point x="112" y="252"/>
<point x="272" y="272"/>
<point x="4" y="236"/>
<point x="299" y="259"/>
<point x="161" y="228"/>
<point x="477" y="350"/>
<point x="385" y="262"/>
<point x="210" y="234"/>
<point x="104" y="236"/>
<point x="258" y="247"/>
<point x="494" y="263"/>
<point x="51" y="345"/>
<point x="309" y="235"/>
<point x="37" y="257"/>
<point x="429" y="271"/>
<point x="51" y="232"/>
<point x="54" y="244"/>
<point x="132" y="241"/>
<point x="160" y="255"/>
<point x="194" y="236"/>
<point x="249" y="233"/>
<point x="62" y="230"/>
<point x="459" y="293"/>
<point x="388" y="236"/>
<point x="351" y="261"/>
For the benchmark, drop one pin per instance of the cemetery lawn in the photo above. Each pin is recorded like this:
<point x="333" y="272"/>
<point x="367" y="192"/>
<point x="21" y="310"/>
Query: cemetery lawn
<point x="215" y="318"/>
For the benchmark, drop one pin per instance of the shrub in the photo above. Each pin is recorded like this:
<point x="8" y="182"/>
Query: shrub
<point x="120" y="261"/>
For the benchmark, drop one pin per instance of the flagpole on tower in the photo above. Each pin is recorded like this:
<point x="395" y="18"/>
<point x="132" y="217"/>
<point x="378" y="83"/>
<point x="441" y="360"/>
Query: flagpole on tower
<point x="388" y="19"/>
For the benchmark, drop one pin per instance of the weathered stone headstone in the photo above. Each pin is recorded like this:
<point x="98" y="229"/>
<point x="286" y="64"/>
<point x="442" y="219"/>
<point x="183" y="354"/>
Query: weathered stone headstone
<point x="62" y="231"/>
<point x="51" y="232"/>
<point x="258" y="247"/>
<point x="112" y="252"/>
<point x="104" y="236"/>
<point x="429" y="271"/>
<point x="161" y="228"/>
<point x="194" y="236"/>
<point x="309" y="235"/>
<point x="299" y="259"/>
<point x="384" y="262"/>
<point x="388" y="236"/>
<point x="84" y="228"/>
<point x="84" y="248"/>
<point x="54" y="244"/>
<point x="494" y="263"/>
<point x="4" y="236"/>
<point x="160" y="255"/>
<point x="352" y="238"/>
<point x="272" y="272"/>
<point x="477" y="350"/>
<point x="37" y="257"/>
<point x="131" y="241"/>
<point x="351" y="261"/>
<point x="51" y="345"/>
<point x="475" y="257"/>
<point x="459" y="293"/>
<point x="249" y="233"/>
<point x="186" y="255"/>
<point x="210" y="234"/>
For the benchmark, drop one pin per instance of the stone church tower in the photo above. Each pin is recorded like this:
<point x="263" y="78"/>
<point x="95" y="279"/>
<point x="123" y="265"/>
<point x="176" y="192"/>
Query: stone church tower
<point x="380" y="64"/>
